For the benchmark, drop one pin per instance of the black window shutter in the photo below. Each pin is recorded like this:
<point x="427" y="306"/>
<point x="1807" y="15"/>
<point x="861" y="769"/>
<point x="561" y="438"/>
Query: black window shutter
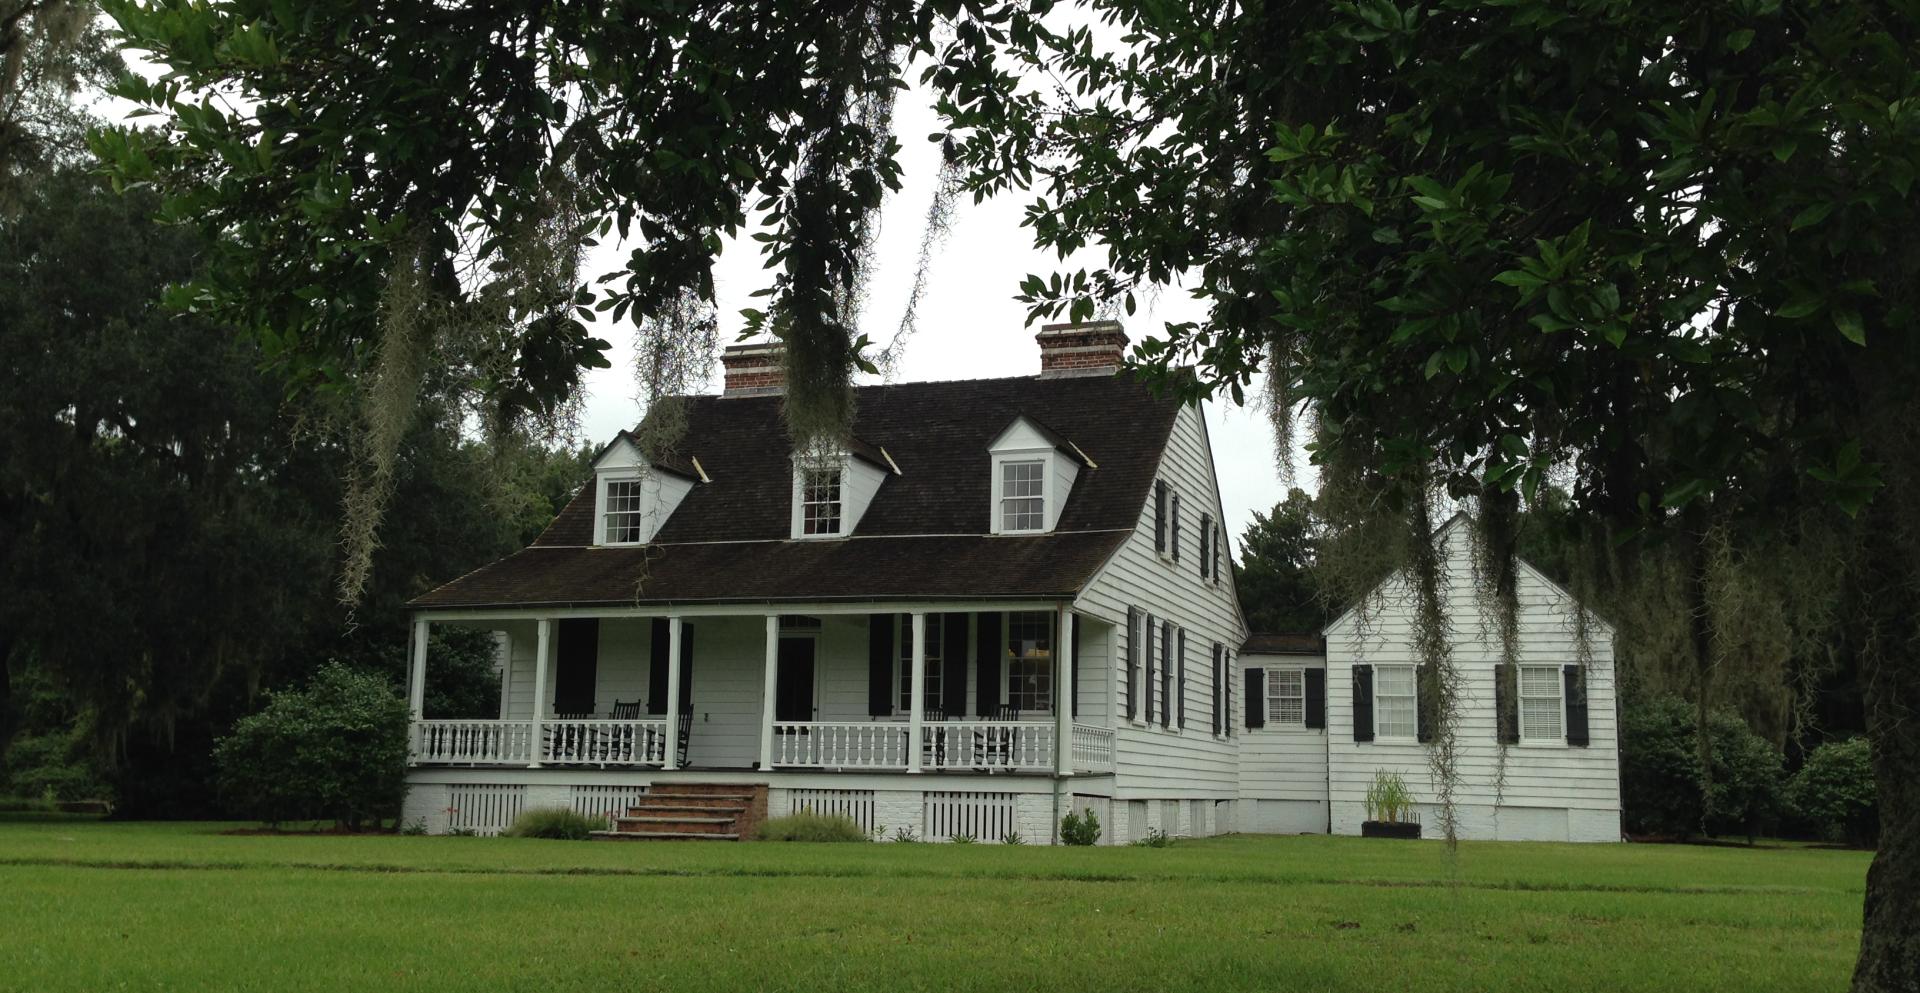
<point x="1506" y="706"/>
<point x="1219" y="538"/>
<point x="1073" y="671"/>
<point x="1219" y="689"/>
<point x="1180" y="684"/>
<point x="1147" y="684"/>
<point x="1256" y="698"/>
<point x="1363" y="703"/>
<point x="1206" y="543"/>
<point x="657" y="649"/>
<point x="953" y="664"/>
<point x="1426" y="701"/>
<point x="1226" y="695"/>
<point x="880" y="665"/>
<point x="1159" y="515"/>
<point x="1174" y="536"/>
<point x="1129" y="691"/>
<point x="576" y="656"/>
<point x="987" y="665"/>
<point x="1166" y="674"/>
<point x="686" y="668"/>
<point x="1576" y="705"/>
<point x="1316" y="698"/>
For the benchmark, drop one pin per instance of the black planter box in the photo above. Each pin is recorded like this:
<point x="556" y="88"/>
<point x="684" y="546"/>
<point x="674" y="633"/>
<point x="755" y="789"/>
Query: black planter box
<point x="1388" y="829"/>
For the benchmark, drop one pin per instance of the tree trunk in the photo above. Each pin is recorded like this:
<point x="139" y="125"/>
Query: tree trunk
<point x="1890" y="932"/>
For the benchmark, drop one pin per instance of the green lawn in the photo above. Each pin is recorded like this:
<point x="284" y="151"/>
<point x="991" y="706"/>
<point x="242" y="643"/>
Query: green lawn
<point x="86" y="906"/>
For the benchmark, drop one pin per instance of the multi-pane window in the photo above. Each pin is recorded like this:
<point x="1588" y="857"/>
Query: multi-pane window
<point x="623" y="511"/>
<point x="1023" y="505"/>
<point x="905" y="641"/>
<point x="1030" y="661"/>
<point x="1395" y="702"/>
<point x="1540" y="711"/>
<point x="820" y="501"/>
<point x="1286" y="696"/>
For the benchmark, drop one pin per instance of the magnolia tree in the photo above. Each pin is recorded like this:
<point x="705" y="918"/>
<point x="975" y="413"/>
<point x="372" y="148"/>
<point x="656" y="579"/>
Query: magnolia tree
<point x="1663" y="255"/>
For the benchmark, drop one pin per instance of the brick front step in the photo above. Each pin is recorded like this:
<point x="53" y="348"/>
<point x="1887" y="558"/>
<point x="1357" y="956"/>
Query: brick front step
<point x="660" y="836"/>
<point x="707" y="811"/>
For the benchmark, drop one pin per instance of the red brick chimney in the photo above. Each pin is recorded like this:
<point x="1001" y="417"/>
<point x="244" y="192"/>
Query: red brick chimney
<point x="1094" y="348"/>
<point x="755" y="369"/>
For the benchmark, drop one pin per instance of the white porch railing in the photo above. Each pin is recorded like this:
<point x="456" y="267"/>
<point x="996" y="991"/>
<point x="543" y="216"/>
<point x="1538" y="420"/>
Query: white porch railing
<point x="564" y="742"/>
<point x="990" y="745"/>
<point x="840" y="745"/>
<point x="1092" y="748"/>
<point x="473" y="742"/>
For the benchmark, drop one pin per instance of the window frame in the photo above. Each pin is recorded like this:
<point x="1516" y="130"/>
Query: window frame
<point x="1267" y="697"/>
<point x="802" y="471"/>
<point x="903" y="664"/>
<point x="1520" y="698"/>
<point x="603" y="528"/>
<point x="1009" y="659"/>
<point x="1043" y="467"/>
<point x="1412" y="696"/>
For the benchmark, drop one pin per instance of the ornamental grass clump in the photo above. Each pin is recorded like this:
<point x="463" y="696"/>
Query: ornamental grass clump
<point x="1388" y="799"/>
<point x="555" y="823"/>
<point x="806" y="825"/>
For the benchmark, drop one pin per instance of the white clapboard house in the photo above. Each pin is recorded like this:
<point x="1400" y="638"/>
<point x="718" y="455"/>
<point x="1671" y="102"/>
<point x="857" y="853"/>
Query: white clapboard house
<point x="1005" y="599"/>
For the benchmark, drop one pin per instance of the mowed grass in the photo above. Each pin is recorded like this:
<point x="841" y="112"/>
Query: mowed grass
<point x="86" y="906"/>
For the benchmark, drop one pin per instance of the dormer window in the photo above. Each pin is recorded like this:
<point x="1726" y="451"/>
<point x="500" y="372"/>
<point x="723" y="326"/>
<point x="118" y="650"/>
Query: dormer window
<point x="623" y="512"/>
<point x="1023" y="496"/>
<point x="633" y="495"/>
<point x="1033" y="471"/>
<point x="820" y="501"/>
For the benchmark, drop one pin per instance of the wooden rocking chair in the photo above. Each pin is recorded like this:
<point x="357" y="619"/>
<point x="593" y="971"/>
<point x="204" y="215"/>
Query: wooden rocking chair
<point x="994" y="746"/>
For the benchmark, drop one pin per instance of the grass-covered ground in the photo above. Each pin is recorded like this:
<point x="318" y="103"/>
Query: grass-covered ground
<point x="88" y="906"/>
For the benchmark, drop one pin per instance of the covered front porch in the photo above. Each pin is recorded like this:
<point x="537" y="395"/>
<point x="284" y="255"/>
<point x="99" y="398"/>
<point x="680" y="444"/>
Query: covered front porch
<point x="1012" y="687"/>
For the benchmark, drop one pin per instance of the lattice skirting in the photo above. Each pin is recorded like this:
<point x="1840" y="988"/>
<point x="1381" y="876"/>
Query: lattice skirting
<point x="856" y="805"/>
<point x="483" y="808"/>
<point x="605" y="801"/>
<point x="981" y="816"/>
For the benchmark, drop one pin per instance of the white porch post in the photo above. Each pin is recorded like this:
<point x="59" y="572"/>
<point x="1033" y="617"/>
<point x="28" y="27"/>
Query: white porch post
<point x="917" y="723"/>
<point x="417" y="682"/>
<point x="543" y="647"/>
<point x="673" y="693"/>
<point x="768" y="688"/>
<point x="503" y="643"/>
<point x="1063" y="695"/>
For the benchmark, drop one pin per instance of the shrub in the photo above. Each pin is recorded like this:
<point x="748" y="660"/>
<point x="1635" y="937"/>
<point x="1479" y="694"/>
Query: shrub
<point x="556" y="824"/>
<point x="1835" y="794"/>
<point x="963" y="839"/>
<point x="905" y="835"/>
<point x="1388" y="799"/>
<point x="335" y="749"/>
<point x="1744" y="797"/>
<point x="1155" y="838"/>
<point x="1012" y="838"/>
<point x="1078" y="830"/>
<point x="1661" y="784"/>
<point x="805" y="825"/>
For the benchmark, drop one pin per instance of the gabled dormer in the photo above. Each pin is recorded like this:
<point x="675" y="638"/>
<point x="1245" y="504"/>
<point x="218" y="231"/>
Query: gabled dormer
<point x="634" y="496"/>
<point x="1033" y="472"/>
<point x="833" y="488"/>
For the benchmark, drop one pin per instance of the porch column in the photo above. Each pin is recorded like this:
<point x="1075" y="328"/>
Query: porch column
<point x="417" y="674"/>
<point x="503" y="643"/>
<point x="769" y="686"/>
<point x="542" y="647"/>
<point x="673" y="693"/>
<point x="916" y="725"/>
<point x="1063" y="695"/>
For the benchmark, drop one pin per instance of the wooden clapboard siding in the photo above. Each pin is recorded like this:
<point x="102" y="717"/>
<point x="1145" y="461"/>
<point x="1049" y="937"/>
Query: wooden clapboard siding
<point x="1282" y="761"/>
<point x="624" y="645"/>
<point x="1193" y="761"/>
<point x="729" y="662"/>
<point x="1583" y="781"/>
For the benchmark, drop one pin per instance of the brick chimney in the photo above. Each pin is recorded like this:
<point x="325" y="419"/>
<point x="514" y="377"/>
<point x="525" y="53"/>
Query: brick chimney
<point x="755" y="369"/>
<point x="1094" y="348"/>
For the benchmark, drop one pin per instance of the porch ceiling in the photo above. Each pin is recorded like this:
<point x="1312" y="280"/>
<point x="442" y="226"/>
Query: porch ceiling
<point x="903" y="567"/>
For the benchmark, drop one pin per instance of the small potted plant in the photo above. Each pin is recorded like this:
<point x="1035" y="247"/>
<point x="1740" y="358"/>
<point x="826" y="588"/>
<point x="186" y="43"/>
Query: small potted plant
<point x="1389" y="803"/>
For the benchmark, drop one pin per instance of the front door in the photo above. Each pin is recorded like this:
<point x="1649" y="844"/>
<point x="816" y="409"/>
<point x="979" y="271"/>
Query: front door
<point x="793" y="683"/>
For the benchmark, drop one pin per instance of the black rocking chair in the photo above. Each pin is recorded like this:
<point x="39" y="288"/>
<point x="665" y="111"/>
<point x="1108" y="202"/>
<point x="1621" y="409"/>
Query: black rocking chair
<point x="685" y="735"/>
<point x="933" y="750"/>
<point x="994" y="746"/>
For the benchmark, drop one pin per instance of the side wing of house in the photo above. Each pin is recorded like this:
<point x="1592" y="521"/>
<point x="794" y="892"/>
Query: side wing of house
<point x="1163" y="625"/>
<point x="1283" y="751"/>
<point x="1559" y="781"/>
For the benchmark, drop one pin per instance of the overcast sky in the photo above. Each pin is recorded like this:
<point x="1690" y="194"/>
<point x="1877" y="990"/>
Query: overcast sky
<point x="970" y="327"/>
